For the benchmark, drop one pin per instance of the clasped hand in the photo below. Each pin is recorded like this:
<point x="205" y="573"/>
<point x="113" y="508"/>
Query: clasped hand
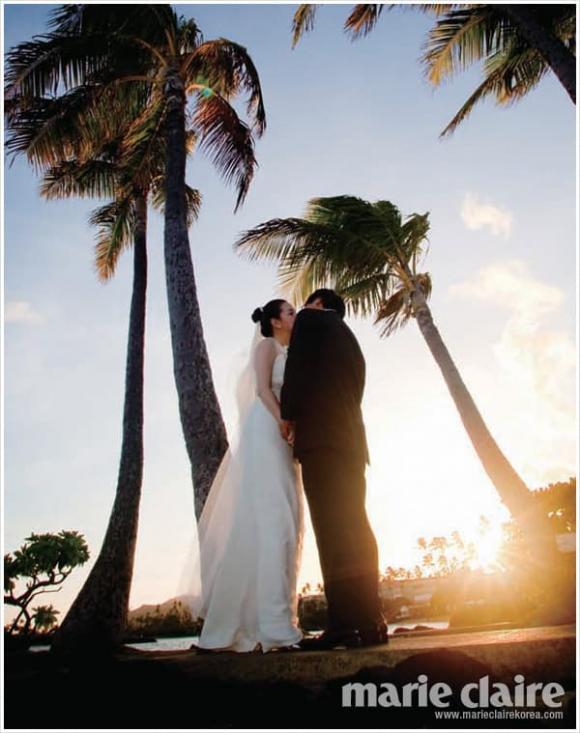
<point x="287" y="431"/>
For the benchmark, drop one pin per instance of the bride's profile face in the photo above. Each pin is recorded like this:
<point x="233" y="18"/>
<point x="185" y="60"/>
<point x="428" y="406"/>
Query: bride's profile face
<point x="287" y="318"/>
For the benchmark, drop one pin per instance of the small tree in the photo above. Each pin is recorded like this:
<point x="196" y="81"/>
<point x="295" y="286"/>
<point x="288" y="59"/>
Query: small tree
<point x="558" y="501"/>
<point x="44" y="561"/>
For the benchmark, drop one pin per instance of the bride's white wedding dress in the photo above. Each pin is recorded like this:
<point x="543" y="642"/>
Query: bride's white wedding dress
<point x="250" y="537"/>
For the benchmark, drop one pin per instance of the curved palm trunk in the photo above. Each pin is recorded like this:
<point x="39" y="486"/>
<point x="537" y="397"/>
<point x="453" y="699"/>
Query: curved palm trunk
<point x="96" y="620"/>
<point x="561" y="60"/>
<point x="201" y="419"/>
<point x="511" y="488"/>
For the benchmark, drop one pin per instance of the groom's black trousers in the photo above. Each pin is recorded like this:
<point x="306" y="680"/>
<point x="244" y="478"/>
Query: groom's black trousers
<point x="335" y="488"/>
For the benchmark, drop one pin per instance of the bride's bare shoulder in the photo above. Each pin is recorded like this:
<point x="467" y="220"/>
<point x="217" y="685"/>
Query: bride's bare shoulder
<point x="266" y="346"/>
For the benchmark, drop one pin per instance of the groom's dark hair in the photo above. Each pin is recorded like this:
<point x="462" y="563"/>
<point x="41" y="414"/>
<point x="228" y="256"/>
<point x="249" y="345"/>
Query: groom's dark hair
<point x="329" y="299"/>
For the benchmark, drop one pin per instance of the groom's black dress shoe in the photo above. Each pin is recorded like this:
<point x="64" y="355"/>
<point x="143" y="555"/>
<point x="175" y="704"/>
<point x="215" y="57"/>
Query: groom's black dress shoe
<point x="331" y="640"/>
<point x="373" y="635"/>
<point x="347" y="639"/>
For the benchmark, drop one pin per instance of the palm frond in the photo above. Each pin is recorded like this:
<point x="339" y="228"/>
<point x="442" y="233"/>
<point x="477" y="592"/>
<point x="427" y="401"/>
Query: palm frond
<point x="303" y="21"/>
<point x="38" y="67"/>
<point x="143" y="145"/>
<point x="189" y="35"/>
<point x="95" y="178"/>
<point x="192" y="203"/>
<point x="149" y="21"/>
<point x="342" y="212"/>
<point x="518" y="69"/>
<point x="423" y="280"/>
<point x="290" y="241"/>
<point x="298" y="282"/>
<point x="364" y="296"/>
<point x="192" y="198"/>
<point x="66" y="19"/>
<point x="226" y="68"/>
<point x="227" y="141"/>
<point x="564" y="27"/>
<point x="50" y="129"/>
<point x="302" y="272"/>
<point x="434" y="8"/>
<point x="394" y="312"/>
<point x="461" y="38"/>
<point x="363" y="19"/>
<point x="191" y="139"/>
<point x="115" y="222"/>
<point x="350" y="215"/>
<point x="413" y="237"/>
<point x="369" y="230"/>
<point x="509" y="75"/>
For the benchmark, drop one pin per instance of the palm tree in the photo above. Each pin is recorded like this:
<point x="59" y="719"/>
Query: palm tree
<point x="129" y="167"/>
<point x="370" y="255"/>
<point x="44" y="618"/>
<point x="519" y="44"/>
<point x="96" y="55"/>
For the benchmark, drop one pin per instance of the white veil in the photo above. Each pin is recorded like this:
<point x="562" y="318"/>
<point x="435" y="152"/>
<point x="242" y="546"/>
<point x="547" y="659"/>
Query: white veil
<point x="216" y="519"/>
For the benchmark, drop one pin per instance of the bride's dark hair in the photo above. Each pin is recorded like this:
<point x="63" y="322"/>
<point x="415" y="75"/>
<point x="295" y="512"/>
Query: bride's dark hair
<point x="263" y="316"/>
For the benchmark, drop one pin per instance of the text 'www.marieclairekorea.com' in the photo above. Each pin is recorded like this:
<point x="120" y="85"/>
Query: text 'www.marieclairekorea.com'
<point x="498" y="715"/>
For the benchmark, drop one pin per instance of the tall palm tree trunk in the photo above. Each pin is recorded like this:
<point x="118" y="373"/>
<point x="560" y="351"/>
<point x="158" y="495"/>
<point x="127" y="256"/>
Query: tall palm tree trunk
<point x="511" y="488"/>
<point x="201" y="419"/>
<point x="96" y="620"/>
<point x="561" y="60"/>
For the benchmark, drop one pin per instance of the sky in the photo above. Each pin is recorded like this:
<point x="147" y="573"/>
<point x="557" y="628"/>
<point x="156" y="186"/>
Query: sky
<point x="343" y="118"/>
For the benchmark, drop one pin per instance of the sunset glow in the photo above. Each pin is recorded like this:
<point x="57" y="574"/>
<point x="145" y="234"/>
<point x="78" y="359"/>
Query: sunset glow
<point x="502" y="299"/>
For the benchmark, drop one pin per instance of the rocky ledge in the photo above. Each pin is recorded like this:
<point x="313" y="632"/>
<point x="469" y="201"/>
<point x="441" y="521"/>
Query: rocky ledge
<point x="303" y="690"/>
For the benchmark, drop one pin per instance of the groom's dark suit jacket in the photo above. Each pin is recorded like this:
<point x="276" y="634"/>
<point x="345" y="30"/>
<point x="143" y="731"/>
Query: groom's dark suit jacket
<point x="323" y="385"/>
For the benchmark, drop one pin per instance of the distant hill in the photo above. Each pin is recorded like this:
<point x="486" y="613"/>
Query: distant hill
<point x="164" y="608"/>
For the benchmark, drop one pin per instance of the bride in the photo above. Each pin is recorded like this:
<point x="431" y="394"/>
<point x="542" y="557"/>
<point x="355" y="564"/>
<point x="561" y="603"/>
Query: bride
<point x="251" y="528"/>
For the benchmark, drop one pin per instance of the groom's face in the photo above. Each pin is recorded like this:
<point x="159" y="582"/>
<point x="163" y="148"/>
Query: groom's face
<point x="318" y="304"/>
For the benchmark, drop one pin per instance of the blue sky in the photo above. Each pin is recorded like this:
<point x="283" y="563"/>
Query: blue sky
<point x="343" y="118"/>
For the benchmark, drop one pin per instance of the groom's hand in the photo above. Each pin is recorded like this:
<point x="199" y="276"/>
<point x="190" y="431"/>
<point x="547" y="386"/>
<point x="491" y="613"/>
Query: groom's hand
<point x="287" y="430"/>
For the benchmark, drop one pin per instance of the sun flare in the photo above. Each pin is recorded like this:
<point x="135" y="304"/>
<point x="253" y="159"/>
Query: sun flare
<point x="487" y="548"/>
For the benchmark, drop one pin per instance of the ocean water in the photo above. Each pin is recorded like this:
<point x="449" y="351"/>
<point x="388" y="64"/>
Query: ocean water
<point x="184" y="642"/>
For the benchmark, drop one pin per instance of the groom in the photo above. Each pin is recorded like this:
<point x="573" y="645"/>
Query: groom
<point x="320" y="404"/>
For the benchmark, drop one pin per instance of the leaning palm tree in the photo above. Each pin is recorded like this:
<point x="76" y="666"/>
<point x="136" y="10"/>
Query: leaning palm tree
<point x="94" y="50"/>
<point x="123" y="159"/>
<point x="370" y="255"/>
<point x="519" y="45"/>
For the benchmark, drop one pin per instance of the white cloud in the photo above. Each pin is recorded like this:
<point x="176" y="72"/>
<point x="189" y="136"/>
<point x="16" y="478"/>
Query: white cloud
<point x="510" y="284"/>
<point x="528" y="348"/>
<point x="476" y="215"/>
<point x="20" y="311"/>
<point x="538" y="360"/>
